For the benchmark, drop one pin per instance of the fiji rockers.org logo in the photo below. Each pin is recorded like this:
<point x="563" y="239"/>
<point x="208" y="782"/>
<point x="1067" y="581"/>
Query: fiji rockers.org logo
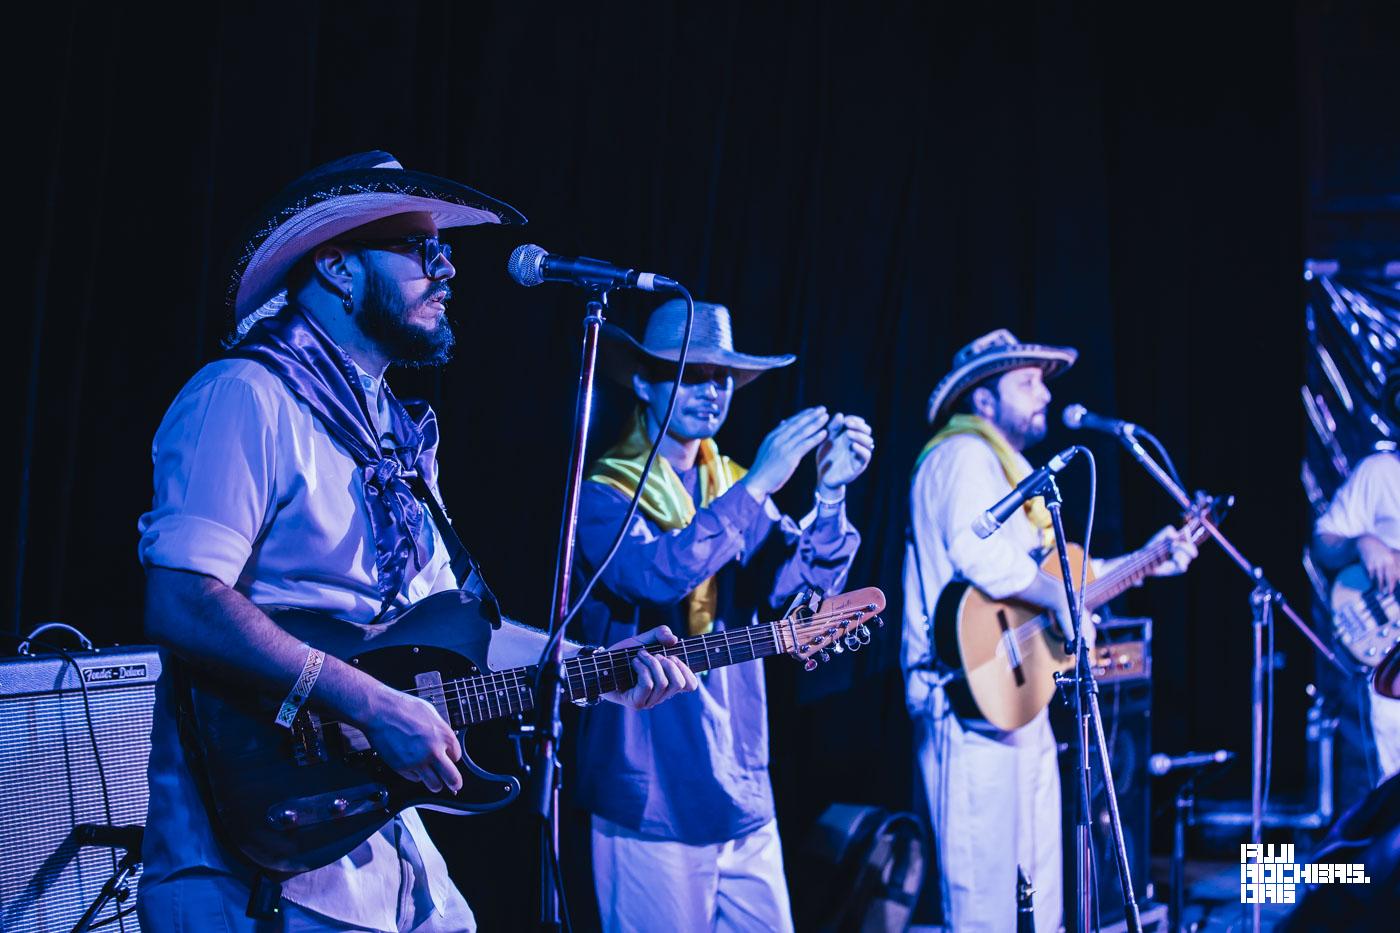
<point x="1269" y="874"/>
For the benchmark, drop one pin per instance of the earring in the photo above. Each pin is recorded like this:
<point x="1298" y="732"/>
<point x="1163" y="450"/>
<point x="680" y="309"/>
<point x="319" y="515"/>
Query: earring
<point x="348" y="299"/>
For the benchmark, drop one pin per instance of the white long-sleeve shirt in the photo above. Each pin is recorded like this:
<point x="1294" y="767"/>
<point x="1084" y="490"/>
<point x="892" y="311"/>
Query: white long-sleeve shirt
<point x="959" y="480"/>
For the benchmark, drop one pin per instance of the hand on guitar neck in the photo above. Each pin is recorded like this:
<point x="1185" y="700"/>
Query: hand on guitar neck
<point x="1048" y="592"/>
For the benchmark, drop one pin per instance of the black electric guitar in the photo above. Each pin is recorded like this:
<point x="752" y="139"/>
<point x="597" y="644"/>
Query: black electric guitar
<point x="291" y="800"/>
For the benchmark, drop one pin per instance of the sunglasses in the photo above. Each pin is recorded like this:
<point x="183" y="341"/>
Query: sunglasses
<point x="435" y="254"/>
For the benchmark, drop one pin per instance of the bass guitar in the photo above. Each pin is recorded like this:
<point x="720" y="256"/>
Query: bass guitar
<point x="1008" y="651"/>
<point x="1367" y="621"/>
<point x="290" y="800"/>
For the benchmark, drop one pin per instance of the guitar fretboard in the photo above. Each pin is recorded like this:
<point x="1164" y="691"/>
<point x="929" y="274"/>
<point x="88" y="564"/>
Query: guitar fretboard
<point x="482" y="698"/>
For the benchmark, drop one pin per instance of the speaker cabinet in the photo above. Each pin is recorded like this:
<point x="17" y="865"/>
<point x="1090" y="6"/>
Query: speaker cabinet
<point x="1126" y="707"/>
<point x="51" y="781"/>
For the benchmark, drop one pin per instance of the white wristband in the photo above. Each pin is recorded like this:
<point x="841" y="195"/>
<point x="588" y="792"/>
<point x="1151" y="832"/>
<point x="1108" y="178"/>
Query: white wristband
<point x="310" y="670"/>
<point x="828" y="506"/>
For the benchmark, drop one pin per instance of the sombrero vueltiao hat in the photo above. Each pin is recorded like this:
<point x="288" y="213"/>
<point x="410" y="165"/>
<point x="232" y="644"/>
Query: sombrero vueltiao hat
<point x="331" y="200"/>
<point x="988" y="355"/>
<point x="711" y="342"/>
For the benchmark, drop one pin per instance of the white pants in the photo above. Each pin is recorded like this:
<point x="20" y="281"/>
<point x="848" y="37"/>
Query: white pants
<point x="995" y="805"/>
<point x="1385" y="726"/>
<point x="208" y="901"/>
<point x="647" y="884"/>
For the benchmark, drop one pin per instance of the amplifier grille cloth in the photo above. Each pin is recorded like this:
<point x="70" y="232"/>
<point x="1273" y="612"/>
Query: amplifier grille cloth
<point x="49" y="783"/>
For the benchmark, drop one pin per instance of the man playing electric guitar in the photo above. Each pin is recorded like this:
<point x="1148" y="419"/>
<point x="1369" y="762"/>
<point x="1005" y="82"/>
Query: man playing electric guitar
<point x="994" y="796"/>
<point x="288" y="475"/>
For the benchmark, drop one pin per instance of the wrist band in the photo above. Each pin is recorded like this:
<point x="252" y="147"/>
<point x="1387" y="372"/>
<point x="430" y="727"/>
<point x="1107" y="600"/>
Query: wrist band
<point x="831" y="503"/>
<point x="310" y="670"/>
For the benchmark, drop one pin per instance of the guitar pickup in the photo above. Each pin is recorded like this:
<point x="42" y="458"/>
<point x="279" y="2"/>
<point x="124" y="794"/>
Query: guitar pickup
<point x="300" y="812"/>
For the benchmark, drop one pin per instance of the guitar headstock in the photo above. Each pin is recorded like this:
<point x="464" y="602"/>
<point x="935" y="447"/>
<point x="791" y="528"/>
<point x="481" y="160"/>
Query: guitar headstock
<point x="1212" y="508"/>
<point x="815" y="627"/>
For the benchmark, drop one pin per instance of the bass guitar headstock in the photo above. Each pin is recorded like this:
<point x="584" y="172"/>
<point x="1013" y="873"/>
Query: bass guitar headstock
<point x="816" y="627"/>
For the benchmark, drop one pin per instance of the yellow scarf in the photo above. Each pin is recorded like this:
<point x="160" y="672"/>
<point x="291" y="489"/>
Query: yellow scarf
<point x="1013" y="465"/>
<point x="666" y="501"/>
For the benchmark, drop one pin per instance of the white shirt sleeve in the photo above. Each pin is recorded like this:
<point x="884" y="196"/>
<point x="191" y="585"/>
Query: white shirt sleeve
<point x="967" y="483"/>
<point x="215" y="457"/>
<point x="1359" y="502"/>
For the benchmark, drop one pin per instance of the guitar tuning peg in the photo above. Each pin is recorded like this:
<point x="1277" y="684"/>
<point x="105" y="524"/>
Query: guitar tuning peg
<point x="880" y="621"/>
<point x="824" y="655"/>
<point x="863" y="633"/>
<point x="809" y="665"/>
<point x="853" y="641"/>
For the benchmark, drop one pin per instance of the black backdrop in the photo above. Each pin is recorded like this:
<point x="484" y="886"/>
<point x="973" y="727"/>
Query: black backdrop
<point x="868" y="185"/>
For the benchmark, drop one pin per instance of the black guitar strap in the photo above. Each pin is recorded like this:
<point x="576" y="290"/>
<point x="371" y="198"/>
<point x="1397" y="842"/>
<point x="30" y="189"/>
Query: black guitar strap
<point x="465" y="569"/>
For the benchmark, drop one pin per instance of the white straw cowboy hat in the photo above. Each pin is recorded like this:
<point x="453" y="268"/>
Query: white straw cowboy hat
<point x="711" y="342"/>
<point x="331" y="200"/>
<point x="988" y="355"/>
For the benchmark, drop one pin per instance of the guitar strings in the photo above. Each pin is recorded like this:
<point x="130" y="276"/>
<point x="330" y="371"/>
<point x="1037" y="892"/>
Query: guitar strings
<point x="1144" y="561"/>
<point x="501" y="686"/>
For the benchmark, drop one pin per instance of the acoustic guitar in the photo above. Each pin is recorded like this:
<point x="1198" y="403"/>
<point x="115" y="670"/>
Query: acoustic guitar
<point x="1367" y="621"/>
<point x="1009" y="651"/>
<point x="290" y="800"/>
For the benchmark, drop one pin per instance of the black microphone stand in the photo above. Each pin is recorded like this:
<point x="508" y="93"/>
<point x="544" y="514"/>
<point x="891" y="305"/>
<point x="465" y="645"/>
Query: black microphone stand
<point x="118" y="886"/>
<point x="546" y="771"/>
<point x="1263" y="599"/>
<point x="1086" y="713"/>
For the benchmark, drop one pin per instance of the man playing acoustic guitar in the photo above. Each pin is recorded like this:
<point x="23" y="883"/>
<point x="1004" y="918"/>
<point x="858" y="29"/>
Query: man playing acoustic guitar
<point x="994" y="795"/>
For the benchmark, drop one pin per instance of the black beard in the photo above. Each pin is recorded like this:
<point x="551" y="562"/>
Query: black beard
<point x="383" y="318"/>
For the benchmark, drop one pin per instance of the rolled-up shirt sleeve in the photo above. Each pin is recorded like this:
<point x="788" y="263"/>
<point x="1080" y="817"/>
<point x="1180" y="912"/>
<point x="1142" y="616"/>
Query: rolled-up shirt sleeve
<point x="214" y="456"/>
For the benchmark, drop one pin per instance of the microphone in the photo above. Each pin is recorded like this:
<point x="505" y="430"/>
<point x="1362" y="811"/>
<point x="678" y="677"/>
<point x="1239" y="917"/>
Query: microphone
<point x="1159" y="764"/>
<point x="1077" y="417"/>
<point x="989" y="521"/>
<point x="532" y="265"/>
<point x="116" y="837"/>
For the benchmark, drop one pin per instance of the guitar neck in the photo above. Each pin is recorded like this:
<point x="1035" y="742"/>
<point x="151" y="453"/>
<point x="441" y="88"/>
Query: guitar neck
<point x="1132" y="571"/>
<point x="588" y="676"/>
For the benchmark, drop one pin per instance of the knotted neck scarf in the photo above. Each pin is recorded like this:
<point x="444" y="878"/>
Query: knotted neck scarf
<point x="317" y="371"/>
<point x="1013" y="465"/>
<point x="666" y="501"/>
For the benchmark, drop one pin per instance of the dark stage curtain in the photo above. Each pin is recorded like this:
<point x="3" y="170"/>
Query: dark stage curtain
<point x="867" y="185"/>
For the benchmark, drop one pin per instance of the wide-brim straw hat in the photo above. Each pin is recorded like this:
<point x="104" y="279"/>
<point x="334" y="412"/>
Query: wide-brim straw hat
<point x="331" y="200"/>
<point x="988" y="355"/>
<point x="711" y="342"/>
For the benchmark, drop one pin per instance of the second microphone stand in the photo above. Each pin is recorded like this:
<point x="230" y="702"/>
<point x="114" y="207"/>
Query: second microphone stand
<point x="1086" y="712"/>
<point x="1263" y="600"/>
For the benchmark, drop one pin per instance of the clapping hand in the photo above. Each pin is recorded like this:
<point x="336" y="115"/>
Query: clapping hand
<point x="844" y="454"/>
<point x="783" y="449"/>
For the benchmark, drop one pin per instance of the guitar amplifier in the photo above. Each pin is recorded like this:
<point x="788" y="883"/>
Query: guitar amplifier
<point x="53" y="759"/>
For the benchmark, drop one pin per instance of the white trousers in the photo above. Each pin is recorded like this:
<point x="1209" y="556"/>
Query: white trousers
<point x="647" y="884"/>
<point x="208" y="901"/>
<point x="995" y="805"/>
